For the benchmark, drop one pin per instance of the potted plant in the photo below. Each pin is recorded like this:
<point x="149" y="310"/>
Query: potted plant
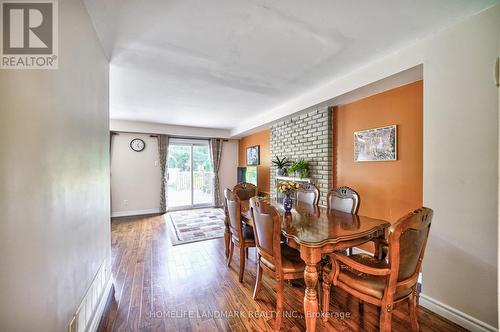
<point x="288" y="188"/>
<point x="300" y="168"/>
<point x="281" y="165"/>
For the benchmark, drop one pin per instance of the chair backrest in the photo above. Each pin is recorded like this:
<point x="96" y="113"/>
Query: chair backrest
<point x="308" y="193"/>
<point x="233" y="207"/>
<point x="245" y="190"/>
<point x="267" y="230"/>
<point x="343" y="199"/>
<point x="226" y="213"/>
<point x="407" y="241"/>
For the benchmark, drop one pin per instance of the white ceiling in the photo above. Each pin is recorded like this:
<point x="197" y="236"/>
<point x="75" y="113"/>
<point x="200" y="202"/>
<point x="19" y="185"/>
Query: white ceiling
<point x="222" y="62"/>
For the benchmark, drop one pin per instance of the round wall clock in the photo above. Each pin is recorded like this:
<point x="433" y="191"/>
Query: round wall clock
<point x="137" y="145"/>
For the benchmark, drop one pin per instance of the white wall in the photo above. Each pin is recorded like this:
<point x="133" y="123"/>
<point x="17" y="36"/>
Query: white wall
<point x="460" y="160"/>
<point x="54" y="175"/>
<point x="135" y="176"/>
<point x="461" y="166"/>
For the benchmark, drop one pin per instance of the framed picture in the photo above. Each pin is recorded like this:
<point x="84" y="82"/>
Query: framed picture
<point x="253" y="157"/>
<point x="377" y="144"/>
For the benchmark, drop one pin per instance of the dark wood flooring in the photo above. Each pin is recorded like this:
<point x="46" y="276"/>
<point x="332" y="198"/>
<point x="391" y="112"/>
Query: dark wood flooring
<point x="160" y="287"/>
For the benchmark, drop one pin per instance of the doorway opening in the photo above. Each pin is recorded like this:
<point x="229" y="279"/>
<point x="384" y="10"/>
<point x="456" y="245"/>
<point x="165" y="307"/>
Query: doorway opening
<point x="190" y="176"/>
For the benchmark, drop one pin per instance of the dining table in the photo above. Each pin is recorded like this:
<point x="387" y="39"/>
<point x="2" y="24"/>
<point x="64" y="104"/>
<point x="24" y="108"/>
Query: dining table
<point x="317" y="231"/>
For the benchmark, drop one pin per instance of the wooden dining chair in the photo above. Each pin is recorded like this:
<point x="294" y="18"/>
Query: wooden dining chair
<point x="275" y="258"/>
<point x="387" y="282"/>
<point x="343" y="199"/>
<point x="241" y="235"/>
<point x="227" y="230"/>
<point x="245" y="190"/>
<point x="308" y="193"/>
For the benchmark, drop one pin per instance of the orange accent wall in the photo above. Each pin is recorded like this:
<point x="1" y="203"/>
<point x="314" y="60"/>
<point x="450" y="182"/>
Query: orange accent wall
<point x="262" y="138"/>
<point x="387" y="189"/>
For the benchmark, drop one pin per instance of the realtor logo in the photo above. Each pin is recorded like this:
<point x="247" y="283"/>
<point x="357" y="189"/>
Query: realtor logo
<point x="29" y="34"/>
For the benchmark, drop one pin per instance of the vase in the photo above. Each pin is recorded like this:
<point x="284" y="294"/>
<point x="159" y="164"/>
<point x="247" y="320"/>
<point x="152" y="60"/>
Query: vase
<point x="287" y="203"/>
<point x="280" y="172"/>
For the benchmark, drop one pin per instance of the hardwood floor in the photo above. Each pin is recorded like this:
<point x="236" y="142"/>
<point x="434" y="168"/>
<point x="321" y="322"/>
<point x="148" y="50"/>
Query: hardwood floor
<point x="160" y="287"/>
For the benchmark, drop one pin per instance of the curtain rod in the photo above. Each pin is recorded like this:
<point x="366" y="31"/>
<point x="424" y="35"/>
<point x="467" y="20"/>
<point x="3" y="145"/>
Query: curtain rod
<point x="117" y="132"/>
<point x="190" y="137"/>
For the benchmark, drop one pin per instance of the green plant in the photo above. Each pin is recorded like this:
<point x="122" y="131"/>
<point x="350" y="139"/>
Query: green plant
<point x="301" y="167"/>
<point x="281" y="163"/>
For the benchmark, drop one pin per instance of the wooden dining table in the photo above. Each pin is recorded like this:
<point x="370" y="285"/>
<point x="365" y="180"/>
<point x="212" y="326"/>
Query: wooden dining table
<point x="316" y="231"/>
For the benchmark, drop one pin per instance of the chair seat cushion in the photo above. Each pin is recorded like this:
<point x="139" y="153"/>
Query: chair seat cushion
<point x="370" y="261"/>
<point x="248" y="232"/>
<point x="290" y="261"/>
<point x="366" y="283"/>
<point x="248" y="235"/>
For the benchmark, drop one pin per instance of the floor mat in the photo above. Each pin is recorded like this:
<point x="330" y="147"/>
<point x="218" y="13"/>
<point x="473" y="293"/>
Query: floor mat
<point x="196" y="225"/>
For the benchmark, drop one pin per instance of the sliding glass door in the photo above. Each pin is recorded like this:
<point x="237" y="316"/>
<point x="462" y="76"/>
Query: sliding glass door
<point x="179" y="176"/>
<point x="203" y="176"/>
<point x="190" y="174"/>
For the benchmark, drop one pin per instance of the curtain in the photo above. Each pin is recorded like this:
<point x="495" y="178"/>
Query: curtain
<point x="216" y="154"/>
<point x="162" y="153"/>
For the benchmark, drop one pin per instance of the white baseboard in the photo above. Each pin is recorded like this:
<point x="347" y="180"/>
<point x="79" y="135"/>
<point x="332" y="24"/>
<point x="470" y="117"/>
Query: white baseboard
<point x="456" y="316"/>
<point x="88" y="314"/>
<point x="133" y="213"/>
<point x="356" y="250"/>
<point x="94" y="324"/>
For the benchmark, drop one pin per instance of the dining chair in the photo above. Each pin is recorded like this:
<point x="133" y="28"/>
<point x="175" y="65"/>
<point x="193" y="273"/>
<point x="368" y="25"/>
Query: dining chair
<point x="245" y="190"/>
<point x="343" y="199"/>
<point x="387" y="282"/>
<point x="275" y="258"/>
<point x="308" y="193"/>
<point x="227" y="230"/>
<point x="240" y="235"/>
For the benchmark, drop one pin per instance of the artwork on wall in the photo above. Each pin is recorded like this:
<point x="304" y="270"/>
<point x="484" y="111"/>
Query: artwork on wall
<point x="377" y="144"/>
<point x="253" y="157"/>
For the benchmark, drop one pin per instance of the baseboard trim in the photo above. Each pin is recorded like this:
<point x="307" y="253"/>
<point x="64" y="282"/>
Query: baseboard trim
<point x="87" y="316"/>
<point x="134" y="213"/>
<point x="356" y="250"/>
<point x="94" y="324"/>
<point x="456" y="316"/>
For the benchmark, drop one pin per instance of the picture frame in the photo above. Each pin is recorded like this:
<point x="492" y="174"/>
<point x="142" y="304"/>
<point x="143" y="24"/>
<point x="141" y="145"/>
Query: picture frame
<point x="376" y="144"/>
<point x="253" y="155"/>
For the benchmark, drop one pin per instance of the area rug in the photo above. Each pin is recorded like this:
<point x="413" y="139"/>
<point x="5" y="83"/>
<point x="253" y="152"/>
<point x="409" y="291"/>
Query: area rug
<point x="196" y="225"/>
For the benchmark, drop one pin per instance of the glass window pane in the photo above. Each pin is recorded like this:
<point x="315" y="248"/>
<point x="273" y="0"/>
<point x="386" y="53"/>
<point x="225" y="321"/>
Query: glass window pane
<point x="179" y="176"/>
<point x="203" y="176"/>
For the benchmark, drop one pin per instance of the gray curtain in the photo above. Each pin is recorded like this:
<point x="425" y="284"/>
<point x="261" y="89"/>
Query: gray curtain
<point x="216" y="154"/>
<point x="163" y="154"/>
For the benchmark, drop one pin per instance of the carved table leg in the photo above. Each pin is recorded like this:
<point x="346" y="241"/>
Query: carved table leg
<point x="311" y="258"/>
<point x="325" y="296"/>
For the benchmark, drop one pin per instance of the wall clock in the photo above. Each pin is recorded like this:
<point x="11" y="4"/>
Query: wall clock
<point x="137" y="145"/>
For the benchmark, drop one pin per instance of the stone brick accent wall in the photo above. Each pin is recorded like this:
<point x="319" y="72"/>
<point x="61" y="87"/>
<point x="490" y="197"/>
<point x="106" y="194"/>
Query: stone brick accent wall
<point x="309" y="137"/>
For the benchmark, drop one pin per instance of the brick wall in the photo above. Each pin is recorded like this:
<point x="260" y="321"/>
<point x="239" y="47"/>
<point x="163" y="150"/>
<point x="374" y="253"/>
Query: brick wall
<point x="309" y="137"/>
